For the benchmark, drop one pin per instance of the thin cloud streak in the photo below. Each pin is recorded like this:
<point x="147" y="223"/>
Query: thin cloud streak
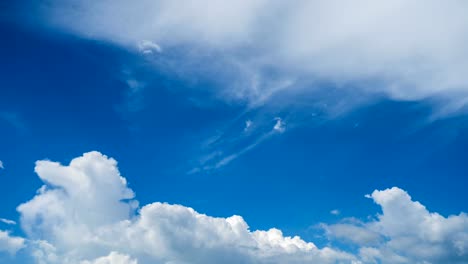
<point x="217" y="159"/>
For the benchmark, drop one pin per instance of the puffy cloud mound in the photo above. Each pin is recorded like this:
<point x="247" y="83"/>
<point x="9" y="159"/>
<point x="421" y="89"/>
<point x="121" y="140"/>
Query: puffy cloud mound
<point x="86" y="214"/>
<point x="406" y="232"/>
<point x="10" y="244"/>
<point x="85" y="211"/>
<point x="407" y="50"/>
<point x="86" y="194"/>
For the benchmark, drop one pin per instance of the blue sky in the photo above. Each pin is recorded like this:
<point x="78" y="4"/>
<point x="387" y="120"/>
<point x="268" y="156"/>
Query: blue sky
<point x="198" y="118"/>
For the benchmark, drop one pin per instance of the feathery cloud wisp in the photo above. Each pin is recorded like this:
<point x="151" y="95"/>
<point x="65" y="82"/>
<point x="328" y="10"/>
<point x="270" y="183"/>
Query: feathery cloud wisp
<point x="404" y="50"/>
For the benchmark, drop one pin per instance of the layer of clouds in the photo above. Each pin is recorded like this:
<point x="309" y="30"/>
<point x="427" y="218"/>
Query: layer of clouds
<point x="87" y="214"/>
<point x="407" y="50"/>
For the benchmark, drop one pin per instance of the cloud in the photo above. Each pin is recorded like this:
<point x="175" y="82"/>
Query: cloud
<point x="335" y="212"/>
<point x="112" y="258"/>
<point x="9" y="243"/>
<point x="87" y="214"/>
<point x="89" y="187"/>
<point x="279" y="125"/>
<point x="403" y="50"/>
<point x="406" y="232"/>
<point x="228" y="148"/>
<point x="148" y="47"/>
<point x="355" y="233"/>
<point x="7" y="221"/>
<point x="87" y="211"/>
<point x="1" y="165"/>
<point x="248" y="125"/>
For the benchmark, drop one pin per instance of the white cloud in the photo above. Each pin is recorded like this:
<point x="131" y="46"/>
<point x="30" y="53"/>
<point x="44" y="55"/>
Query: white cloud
<point x="408" y="50"/>
<point x="248" y="124"/>
<point x="86" y="214"/>
<point x="7" y="221"/>
<point x="148" y="47"/>
<point x="9" y="243"/>
<point x="86" y="211"/>
<point x="1" y="165"/>
<point x="88" y="193"/>
<point x="219" y="160"/>
<point x="279" y="125"/>
<point x="406" y="232"/>
<point x="335" y="212"/>
<point x="355" y="233"/>
<point x="224" y="148"/>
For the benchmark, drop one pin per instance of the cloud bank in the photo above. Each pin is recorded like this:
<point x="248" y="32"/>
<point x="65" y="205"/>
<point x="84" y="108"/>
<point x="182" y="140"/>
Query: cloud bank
<point x="86" y="213"/>
<point x="405" y="50"/>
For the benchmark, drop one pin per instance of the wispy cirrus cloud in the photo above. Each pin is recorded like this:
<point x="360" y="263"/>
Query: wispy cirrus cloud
<point x="226" y="147"/>
<point x="7" y="221"/>
<point x="399" y="49"/>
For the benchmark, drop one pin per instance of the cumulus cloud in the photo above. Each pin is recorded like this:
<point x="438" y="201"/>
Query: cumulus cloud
<point x="1" y="165"/>
<point x="10" y="244"/>
<point x="406" y="232"/>
<point x="87" y="211"/>
<point x="405" y="50"/>
<point x="87" y="214"/>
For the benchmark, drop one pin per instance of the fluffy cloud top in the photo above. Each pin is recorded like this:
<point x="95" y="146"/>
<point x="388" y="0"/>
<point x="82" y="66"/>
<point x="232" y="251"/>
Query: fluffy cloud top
<point x="406" y="232"/>
<point x="85" y="213"/>
<point x="10" y="244"/>
<point x="88" y="193"/>
<point x="407" y="50"/>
